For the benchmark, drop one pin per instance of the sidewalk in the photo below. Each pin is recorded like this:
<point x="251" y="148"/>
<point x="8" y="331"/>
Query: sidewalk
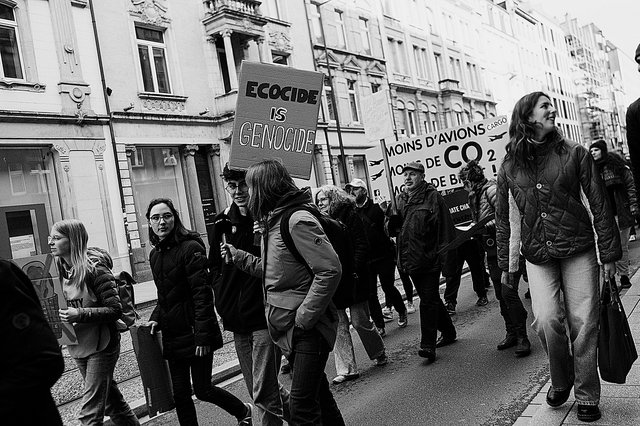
<point x="620" y="404"/>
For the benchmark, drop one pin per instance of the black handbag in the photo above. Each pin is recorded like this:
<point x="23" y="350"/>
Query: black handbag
<point x="616" y="349"/>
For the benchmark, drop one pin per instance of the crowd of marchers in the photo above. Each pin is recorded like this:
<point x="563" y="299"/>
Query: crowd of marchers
<point x="290" y="270"/>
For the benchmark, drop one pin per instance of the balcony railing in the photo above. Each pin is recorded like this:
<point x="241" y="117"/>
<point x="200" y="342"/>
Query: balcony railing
<point x="226" y="103"/>
<point x="449" y="84"/>
<point x="249" y="7"/>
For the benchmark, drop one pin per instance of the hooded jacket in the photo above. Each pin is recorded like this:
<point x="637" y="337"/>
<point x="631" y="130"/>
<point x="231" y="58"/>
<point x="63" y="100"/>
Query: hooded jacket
<point x="185" y="312"/>
<point x="427" y="226"/>
<point x="293" y="297"/>
<point x="552" y="209"/>
<point x="238" y="295"/>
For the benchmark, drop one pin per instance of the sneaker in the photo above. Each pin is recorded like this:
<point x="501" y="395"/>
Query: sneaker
<point x="402" y="320"/>
<point x="632" y="238"/>
<point x="381" y="331"/>
<point x="247" y="420"/>
<point x="451" y="308"/>
<point x="382" y="360"/>
<point x="387" y="314"/>
<point x="410" y="308"/>
<point x="341" y="378"/>
<point x="482" y="301"/>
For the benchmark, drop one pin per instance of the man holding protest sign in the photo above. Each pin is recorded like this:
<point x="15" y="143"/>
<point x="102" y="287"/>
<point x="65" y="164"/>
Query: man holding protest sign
<point x="423" y="225"/>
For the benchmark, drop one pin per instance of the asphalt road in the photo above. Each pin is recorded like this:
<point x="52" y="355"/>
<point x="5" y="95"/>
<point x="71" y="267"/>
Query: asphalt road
<point x="470" y="383"/>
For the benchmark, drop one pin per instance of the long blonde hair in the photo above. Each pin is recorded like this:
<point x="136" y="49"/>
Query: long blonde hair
<point x="78" y="237"/>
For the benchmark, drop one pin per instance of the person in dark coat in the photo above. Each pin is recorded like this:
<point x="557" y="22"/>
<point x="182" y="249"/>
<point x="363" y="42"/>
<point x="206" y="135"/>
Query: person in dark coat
<point x="31" y="362"/>
<point x="239" y="301"/>
<point x="632" y="119"/>
<point x="336" y="203"/>
<point x="618" y="179"/>
<point x="185" y="314"/>
<point x="550" y="201"/>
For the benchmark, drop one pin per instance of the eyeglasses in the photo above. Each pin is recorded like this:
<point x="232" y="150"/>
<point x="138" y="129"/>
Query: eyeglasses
<point x="54" y="239"/>
<point x="233" y="187"/>
<point x="156" y="217"/>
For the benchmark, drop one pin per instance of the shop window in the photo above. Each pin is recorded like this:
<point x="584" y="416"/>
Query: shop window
<point x="153" y="61"/>
<point x="10" y="57"/>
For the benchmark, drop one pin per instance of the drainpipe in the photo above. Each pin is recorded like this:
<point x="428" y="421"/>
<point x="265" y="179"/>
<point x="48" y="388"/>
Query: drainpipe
<point x="111" y="130"/>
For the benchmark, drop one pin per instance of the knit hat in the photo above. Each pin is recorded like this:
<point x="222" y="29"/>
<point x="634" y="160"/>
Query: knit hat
<point x="637" y="57"/>
<point x="601" y="145"/>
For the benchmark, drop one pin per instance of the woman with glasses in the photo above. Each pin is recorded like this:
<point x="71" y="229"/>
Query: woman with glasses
<point x="185" y="314"/>
<point x="93" y="307"/>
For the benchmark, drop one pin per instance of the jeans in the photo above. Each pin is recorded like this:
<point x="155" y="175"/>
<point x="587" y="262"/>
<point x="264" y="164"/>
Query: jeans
<point x="259" y="360"/>
<point x="200" y="369"/>
<point x="565" y="293"/>
<point x="407" y="285"/>
<point x="511" y="308"/>
<point x="622" y="266"/>
<point x="386" y="269"/>
<point x="471" y="251"/>
<point x="371" y="340"/>
<point x="101" y="394"/>
<point x="433" y="315"/>
<point x="311" y="400"/>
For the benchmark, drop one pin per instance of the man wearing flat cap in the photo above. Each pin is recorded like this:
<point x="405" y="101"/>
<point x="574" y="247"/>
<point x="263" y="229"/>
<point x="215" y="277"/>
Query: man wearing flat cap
<point x="424" y="226"/>
<point x="633" y="132"/>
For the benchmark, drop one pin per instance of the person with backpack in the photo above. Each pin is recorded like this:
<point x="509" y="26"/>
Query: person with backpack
<point x="301" y="317"/>
<point x="93" y="307"/>
<point x="185" y="314"/>
<point x="381" y="260"/>
<point x="239" y="301"/>
<point x="353" y="292"/>
<point x="482" y="201"/>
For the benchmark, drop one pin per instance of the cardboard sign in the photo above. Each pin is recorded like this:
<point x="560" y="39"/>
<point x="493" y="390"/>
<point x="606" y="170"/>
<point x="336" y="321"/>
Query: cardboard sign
<point x="44" y="277"/>
<point x="276" y="117"/>
<point x="443" y="153"/>
<point x="376" y="114"/>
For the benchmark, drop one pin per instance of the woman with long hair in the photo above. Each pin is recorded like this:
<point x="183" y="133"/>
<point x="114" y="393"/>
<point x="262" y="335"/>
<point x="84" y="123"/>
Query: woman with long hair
<point x="339" y="205"/>
<point x="301" y="317"/>
<point x="185" y="314"/>
<point x="550" y="201"/>
<point x="93" y="307"/>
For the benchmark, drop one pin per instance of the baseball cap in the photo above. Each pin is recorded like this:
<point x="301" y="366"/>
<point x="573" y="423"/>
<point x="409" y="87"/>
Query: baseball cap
<point x="413" y="165"/>
<point x="356" y="183"/>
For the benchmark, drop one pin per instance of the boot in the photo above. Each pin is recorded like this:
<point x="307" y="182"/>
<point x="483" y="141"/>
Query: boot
<point x="508" y="342"/>
<point x="624" y="282"/>
<point x="523" y="347"/>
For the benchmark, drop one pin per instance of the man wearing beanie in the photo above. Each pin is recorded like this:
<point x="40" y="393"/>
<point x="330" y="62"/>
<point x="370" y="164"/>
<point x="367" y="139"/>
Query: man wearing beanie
<point x="622" y="198"/>
<point x="633" y="131"/>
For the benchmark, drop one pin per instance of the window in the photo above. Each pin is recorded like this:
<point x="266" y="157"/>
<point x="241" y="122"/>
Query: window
<point x="314" y="17"/>
<point x="153" y="62"/>
<point x="353" y="101"/>
<point x="439" y="69"/>
<point x="273" y="9"/>
<point x="9" y="45"/>
<point x="364" y="34"/>
<point x="419" y="59"/>
<point x="331" y="110"/>
<point x="340" y="30"/>
<point x="403" y="57"/>
<point x="375" y="88"/>
<point x="280" y="58"/>
<point x="411" y="116"/>
<point x="403" y="118"/>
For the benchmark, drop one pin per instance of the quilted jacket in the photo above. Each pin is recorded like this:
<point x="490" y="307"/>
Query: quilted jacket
<point x="550" y="211"/>
<point x="185" y="310"/>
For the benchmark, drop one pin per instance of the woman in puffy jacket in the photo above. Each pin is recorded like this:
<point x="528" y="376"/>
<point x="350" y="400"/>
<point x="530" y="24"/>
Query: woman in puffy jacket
<point x="550" y="201"/>
<point x="336" y="203"/>
<point x="185" y="314"/>
<point x="93" y="307"/>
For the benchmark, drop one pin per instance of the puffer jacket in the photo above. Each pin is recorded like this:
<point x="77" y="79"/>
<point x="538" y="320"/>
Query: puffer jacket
<point x="185" y="312"/>
<point x="427" y="226"/>
<point x="549" y="209"/>
<point x="293" y="296"/>
<point x="346" y="214"/>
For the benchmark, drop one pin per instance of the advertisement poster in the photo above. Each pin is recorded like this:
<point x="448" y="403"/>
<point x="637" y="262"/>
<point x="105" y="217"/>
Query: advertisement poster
<point x="22" y="246"/>
<point x="43" y="273"/>
<point x="442" y="153"/>
<point x="276" y="117"/>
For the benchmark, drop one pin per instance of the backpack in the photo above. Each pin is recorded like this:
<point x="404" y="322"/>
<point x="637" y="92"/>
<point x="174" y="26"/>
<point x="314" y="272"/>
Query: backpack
<point x="339" y="237"/>
<point x="127" y="300"/>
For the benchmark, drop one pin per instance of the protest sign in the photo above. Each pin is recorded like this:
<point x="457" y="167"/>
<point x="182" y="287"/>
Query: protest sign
<point x="442" y="153"/>
<point x="376" y="115"/>
<point x="276" y="117"/>
<point x="44" y="277"/>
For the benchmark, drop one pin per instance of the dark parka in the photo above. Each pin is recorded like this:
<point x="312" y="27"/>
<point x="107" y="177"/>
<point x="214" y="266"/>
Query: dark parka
<point x="427" y="226"/>
<point x="345" y="213"/>
<point x="548" y="208"/>
<point x="239" y="298"/>
<point x="380" y="245"/>
<point x="185" y="312"/>
<point x="618" y="180"/>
